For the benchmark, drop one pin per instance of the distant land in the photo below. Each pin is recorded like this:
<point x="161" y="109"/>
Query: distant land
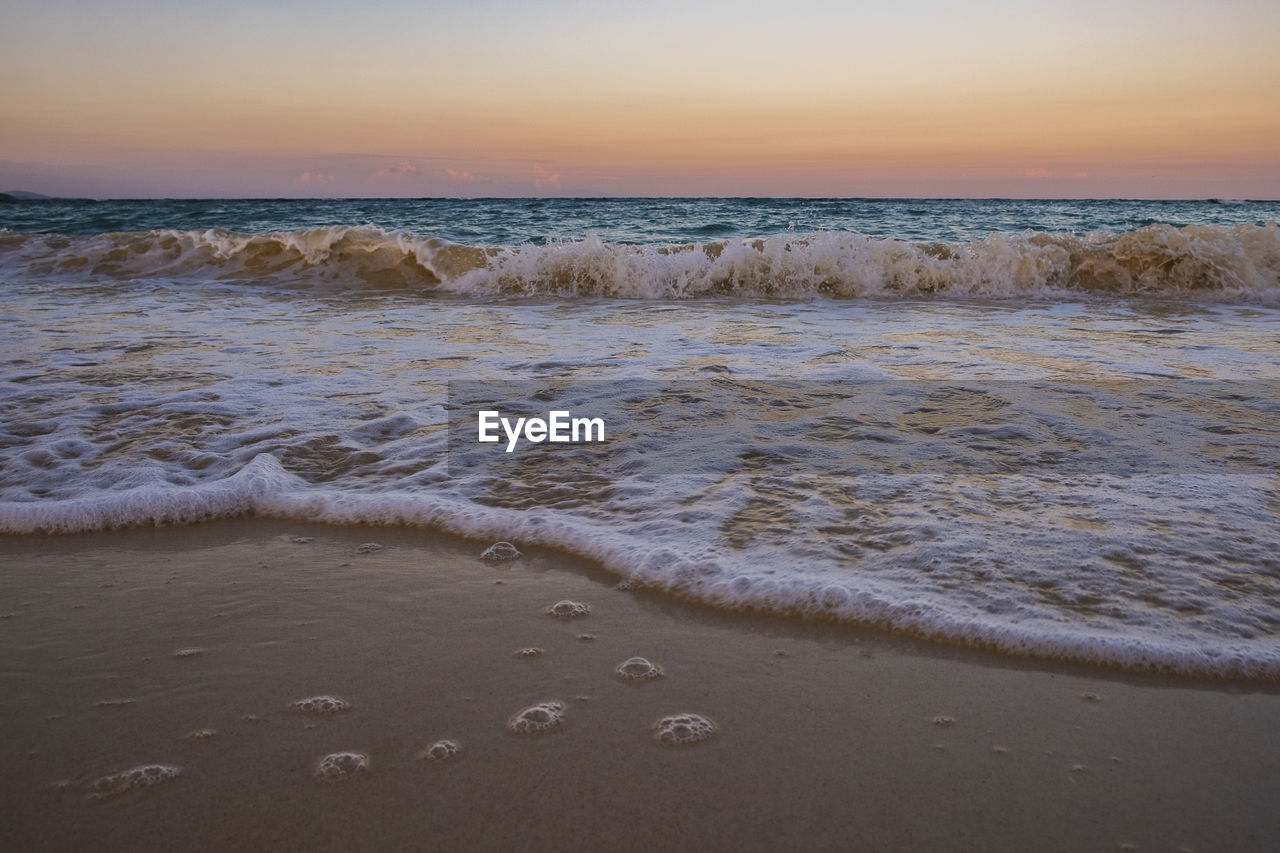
<point x="21" y="195"/>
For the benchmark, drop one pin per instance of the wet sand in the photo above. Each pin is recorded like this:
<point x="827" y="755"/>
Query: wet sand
<point x="116" y="648"/>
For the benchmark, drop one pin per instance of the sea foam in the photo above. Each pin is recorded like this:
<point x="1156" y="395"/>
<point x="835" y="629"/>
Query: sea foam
<point x="1010" y="618"/>
<point x="1236" y="263"/>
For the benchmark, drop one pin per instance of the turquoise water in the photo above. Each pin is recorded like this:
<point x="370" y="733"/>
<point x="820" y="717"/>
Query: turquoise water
<point x="514" y="221"/>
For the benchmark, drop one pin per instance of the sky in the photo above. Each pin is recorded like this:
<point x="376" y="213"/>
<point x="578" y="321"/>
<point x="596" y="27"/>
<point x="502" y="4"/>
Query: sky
<point x="911" y="98"/>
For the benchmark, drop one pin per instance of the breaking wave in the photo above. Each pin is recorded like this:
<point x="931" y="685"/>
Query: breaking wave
<point x="1239" y="263"/>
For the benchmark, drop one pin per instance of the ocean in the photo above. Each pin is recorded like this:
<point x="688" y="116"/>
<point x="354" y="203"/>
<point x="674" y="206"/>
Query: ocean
<point x="1047" y="428"/>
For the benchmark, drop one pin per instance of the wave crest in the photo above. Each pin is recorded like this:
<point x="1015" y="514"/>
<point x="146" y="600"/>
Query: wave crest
<point x="1227" y="263"/>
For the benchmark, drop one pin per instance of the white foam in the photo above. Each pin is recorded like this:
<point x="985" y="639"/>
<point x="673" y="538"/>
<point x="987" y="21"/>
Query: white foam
<point x="441" y="750"/>
<point x="1231" y="263"/>
<point x="894" y="595"/>
<point x="341" y="766"/>
<point x="144" y="776"/>
<point x="1228" y="262"/>
<point x="567" y="609"/>
<point x="683" y="729"/>
<point x="638" y="669"/>
<point x="1164" y="571"/>
<point x="500" y="551"/>
<point x="537" y="719"/>
<point x="321" y="705"/>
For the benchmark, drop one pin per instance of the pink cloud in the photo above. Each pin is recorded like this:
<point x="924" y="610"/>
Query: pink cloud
<point x="462" y="176"/>
<point x="315" y="179"/>
<point x="1037" y="173"/>
<point x="404" y="167"/>
<point x="543" y="178"/>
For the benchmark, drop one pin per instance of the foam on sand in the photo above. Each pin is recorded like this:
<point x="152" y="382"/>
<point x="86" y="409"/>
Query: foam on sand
<point x="441" y="750"/>
<point x="321" y="705"/>
<point x="500" y="551"/>
<point x="341" y="766"/>
<point x="568" y="609"/>
<point x="638" y="669"/>
<point x="144" y="776"/>
<point x="537" y="719"/>
<point x="683" y="729"/>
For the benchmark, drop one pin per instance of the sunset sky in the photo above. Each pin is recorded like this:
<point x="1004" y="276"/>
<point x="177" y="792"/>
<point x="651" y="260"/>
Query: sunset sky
<point x="497" y="98"/>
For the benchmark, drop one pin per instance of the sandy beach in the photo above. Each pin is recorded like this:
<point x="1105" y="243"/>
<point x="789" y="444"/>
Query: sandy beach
<point x="637" y="427"/>
<point x="119" y="647"/>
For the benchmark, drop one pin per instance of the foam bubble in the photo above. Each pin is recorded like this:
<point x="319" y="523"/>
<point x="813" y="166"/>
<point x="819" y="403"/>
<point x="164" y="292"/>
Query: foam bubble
<point x="531" y="652"/>
<point x="128" y="780"/>
<point x="369" y="548"/>
<point x="202" y="734"/>
<point x="638" y="669"/>
<point x="321" y="705"/>
<point x="188" y="653"/>
<point x="114" y="703"/>
<point x="500" y="551"/>
<point x="536" y="719"/>
<point x="683" y="729"/>
<point x="567" y="609"/>
<point x="303" y="540"/>
<point x="340" y="766"/>
<point x="441" y="750"/>
<point x="944" y="720"/>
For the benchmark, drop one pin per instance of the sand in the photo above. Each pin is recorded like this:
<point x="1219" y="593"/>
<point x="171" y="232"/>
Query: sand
<point x="187" y="647"/>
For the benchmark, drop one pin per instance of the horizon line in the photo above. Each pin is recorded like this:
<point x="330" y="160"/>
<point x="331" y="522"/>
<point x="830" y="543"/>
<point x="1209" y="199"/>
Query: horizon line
<point x="1207" y="199"/>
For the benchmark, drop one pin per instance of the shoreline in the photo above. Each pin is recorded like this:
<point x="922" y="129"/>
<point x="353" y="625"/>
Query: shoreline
<point x="827" y="732"/>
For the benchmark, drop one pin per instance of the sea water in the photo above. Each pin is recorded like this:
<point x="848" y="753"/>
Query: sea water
<point x="1044" y="427"/>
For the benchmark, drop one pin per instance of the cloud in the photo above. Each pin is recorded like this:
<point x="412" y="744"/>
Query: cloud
<point x="315" y="179"/>
<point x="1037" y="173"/>
<point x="543" y="178"/>
<point x="404" y="167"/>
<point x="462" y="176"/>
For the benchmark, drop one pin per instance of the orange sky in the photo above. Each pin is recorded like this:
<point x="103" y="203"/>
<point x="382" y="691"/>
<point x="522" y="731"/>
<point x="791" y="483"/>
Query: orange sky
<point x="572" y="98"/>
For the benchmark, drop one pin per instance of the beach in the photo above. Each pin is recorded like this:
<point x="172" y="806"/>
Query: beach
<point x="118" y="646"/>
<point x="888" y="524"/>
<point x="639" y="427"/>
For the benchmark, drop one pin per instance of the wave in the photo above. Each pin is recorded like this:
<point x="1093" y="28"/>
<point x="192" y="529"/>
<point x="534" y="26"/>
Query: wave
<point x="263" y="488"/>
<point x="1239" y="263"/>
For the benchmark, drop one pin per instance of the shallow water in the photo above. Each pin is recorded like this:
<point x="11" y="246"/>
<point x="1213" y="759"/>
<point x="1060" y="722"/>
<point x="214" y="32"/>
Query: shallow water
<point x="968" y="441"/>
